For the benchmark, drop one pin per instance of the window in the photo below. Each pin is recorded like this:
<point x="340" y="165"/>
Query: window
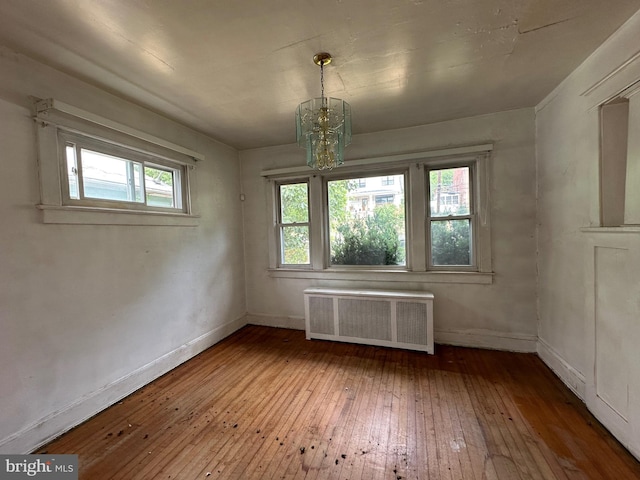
<point x="96" y="171"/>
<point x="105" y="175"/>
<point x="369" y="236"/>
<point x="450" y="217"/>
<point x="432" y="216"/>
<point x="382" y="199"/>
<point x="388" y="180"/>
<point x="293" y="223"/>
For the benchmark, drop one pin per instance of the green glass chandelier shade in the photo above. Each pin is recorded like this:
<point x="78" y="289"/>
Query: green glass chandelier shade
<point x="323" y="125"/>
<point x="323" y="128"/>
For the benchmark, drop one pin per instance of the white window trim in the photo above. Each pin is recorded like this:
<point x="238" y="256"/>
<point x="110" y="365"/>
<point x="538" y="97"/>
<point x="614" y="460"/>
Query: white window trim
<point x="472" y="216"/>
<point x="53" y="117"/>
<point x="279" y="225"/>
<point x="417" y="269"/>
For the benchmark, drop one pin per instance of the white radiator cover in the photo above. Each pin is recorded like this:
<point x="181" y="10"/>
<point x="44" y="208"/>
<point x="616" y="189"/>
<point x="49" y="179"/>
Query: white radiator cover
<point x="389" y="318"/>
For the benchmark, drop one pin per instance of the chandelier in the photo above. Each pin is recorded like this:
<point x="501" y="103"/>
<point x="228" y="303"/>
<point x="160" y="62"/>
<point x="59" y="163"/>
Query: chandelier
<point x="323" y="125"/>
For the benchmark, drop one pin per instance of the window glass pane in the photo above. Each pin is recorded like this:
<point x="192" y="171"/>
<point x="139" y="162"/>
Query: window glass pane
<point x="450" y="242"/>
<point x="367" y="221"/>
<point x="294" y="203"/>
<point x="137" y="181"/>
<point x="159" y="186"/>
<point x="295" y="245"/>
<point x="449" y="191"/>
<point x="72" y="172"/>
<point x="110" y="178"/>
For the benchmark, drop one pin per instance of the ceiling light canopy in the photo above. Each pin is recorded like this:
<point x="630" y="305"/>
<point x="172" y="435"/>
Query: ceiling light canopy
<point x="323" y="125"/>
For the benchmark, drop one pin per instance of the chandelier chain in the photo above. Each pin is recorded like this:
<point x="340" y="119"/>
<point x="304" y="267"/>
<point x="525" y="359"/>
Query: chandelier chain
<point x="322" y="80"/>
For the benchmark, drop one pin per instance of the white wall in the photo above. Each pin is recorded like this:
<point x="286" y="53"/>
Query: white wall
<point x="90" y="313"/>
<point x="589" y="281"/>
<point x="500" y="315"/>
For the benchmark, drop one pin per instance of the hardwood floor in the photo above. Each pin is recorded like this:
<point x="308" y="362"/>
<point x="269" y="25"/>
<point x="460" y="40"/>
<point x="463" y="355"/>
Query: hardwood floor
<point x="267" y="404"/>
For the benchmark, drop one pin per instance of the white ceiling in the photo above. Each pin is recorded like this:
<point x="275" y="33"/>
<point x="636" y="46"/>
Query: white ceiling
<point x="237" y="69"/>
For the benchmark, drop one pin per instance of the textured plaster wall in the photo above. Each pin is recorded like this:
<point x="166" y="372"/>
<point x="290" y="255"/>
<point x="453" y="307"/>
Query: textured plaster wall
<point x="588" y="284"/>
<point x="466" y="314"/>
<point x="89" y="313"/>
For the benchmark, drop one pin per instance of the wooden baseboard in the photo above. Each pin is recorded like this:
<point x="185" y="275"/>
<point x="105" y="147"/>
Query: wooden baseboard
<point x="510" y="342"/>
<point x="571" y="377"/>
<point x="278" y="321"/>
<point x="476" y="339"/>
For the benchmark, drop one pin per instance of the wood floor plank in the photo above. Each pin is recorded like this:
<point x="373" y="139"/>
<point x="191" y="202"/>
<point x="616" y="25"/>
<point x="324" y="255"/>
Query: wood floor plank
<point x="267" y="404"/>
<point x="328" y="459"/>
<point x="351" y="409"/>
<point x="428" y="391"/>
<point x="359" y="446"/>
<point x="399" y="455"/>
<point x="375" y="462"/>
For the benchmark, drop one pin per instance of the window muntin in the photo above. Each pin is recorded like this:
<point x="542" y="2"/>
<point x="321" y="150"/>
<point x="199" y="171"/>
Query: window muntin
<point x="450" y="217"/>
<point x="107" y="175"/>
<point x="367" y="225"/>
<point x="293" y="223"/>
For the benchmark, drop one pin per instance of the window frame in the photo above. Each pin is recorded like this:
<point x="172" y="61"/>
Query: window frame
<point x="279" y="224"/>
<point x="417" y="268"/>
<point x="351" y="175"/>
<point x="472" y="216"/>
<point x="80" y="142"/>
<point x="55" y="120"/>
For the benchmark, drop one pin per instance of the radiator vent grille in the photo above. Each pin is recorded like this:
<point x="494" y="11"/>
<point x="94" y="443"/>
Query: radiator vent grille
<point x="365" y="318"/>
<point x="411" y="325"/>
<point x="387" y="318"/>
<point x="321" y="315"/>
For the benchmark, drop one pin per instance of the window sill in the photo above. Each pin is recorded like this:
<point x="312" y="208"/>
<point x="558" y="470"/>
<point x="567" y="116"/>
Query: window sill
<point x="107" y="216"/>
<point x="386" y="276"/>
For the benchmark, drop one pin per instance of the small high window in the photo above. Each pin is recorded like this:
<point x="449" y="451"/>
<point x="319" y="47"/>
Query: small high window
<point x="96" y="171"/>
<point x="105" y="175"/>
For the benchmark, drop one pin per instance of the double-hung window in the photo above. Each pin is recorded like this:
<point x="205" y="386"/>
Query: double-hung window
<point x="293" y="223"/>
<point x="450" y="217"/>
